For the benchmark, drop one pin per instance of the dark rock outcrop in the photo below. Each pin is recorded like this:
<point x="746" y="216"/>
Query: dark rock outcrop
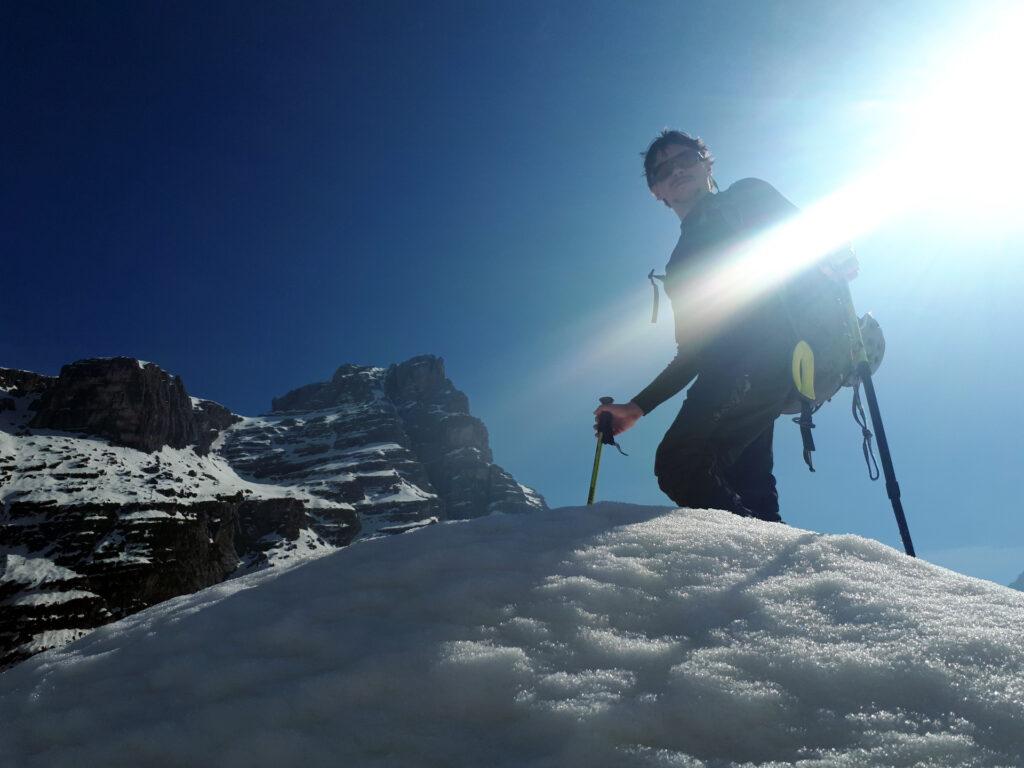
<point x="24" y="383"/>
<point x="451" y="444"/>
<point x="340" y="440"/>
<point x="134" y="404"/>
<point x="112" y="560"/>
<point x="399" y="444"/>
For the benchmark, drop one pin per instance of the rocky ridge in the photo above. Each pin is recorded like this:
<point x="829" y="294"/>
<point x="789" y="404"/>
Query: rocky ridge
<point x="119" y="490"/>
<point x="399" y="444"/>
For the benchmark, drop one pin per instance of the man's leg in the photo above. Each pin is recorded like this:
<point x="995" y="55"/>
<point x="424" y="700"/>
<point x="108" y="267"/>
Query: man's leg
<point x="721" y="418"/>
<point x="751" y="477"/>
<point x="699" y="483"/>
<point x="689" y="459"/>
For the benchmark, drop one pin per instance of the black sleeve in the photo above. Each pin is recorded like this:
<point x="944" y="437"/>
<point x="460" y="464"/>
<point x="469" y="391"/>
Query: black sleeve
<point x="676" y="376"/>
<point x="680" y="371"/>
<point x="759" y="205"/>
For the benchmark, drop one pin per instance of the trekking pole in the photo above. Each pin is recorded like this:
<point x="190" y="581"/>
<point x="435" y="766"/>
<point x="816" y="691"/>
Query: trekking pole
<point x="863" y="369"/>
<point x="604" y="435"/>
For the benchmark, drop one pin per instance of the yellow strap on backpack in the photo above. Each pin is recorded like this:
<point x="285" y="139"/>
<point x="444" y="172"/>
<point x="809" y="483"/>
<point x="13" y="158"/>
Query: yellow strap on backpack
<point x="803" y="369"/>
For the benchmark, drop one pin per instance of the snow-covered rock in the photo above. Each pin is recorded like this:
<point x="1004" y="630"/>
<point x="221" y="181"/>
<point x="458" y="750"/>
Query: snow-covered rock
<point x="612" y="635"/>
<point x="137" y="492"/>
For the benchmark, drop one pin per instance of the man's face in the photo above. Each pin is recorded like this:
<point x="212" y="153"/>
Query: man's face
<point x="679" y="177"/>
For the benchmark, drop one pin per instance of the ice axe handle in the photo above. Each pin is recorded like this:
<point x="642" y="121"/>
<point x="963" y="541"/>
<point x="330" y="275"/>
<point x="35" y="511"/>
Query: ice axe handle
<point x="604" y="436"/>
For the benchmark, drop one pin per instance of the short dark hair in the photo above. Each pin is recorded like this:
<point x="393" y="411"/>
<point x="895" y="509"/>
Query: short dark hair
<point x="666" y="138"/>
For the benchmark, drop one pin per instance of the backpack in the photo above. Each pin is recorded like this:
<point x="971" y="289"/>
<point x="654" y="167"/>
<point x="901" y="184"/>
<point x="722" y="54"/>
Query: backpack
<point x="821" y="316"/>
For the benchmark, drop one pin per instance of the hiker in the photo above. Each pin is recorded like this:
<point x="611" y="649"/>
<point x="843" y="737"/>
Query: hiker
<point x="732" y="334"/>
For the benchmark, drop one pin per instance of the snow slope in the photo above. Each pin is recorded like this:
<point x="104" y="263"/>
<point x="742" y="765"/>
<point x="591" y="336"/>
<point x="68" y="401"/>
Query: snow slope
<point x="610" y="636"/>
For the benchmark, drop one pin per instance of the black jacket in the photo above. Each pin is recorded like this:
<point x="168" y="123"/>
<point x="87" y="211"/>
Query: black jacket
<point x="728" y="297"/>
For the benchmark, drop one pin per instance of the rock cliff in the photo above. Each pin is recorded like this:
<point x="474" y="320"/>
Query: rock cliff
<point x="120" y="490"/>
<point x="399" y="444"/>
<point x="135" y="404"/>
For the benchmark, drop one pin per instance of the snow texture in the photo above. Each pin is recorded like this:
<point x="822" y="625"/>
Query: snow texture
<point x="613" y="635"/>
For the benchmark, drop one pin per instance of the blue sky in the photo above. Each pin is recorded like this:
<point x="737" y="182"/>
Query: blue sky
<point x="251" y="194"/>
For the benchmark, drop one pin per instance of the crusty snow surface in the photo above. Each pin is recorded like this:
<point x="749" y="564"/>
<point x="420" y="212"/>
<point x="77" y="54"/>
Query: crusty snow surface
<point x="614" y="635"/>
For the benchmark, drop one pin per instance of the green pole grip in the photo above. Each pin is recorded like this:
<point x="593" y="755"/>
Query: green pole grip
<point x="593" y="476"/>
<point x="604" y="432"/>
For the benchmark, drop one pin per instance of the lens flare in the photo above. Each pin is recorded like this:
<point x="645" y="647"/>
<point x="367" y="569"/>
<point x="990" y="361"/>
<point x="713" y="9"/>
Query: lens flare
<point x="970" y="113"/>
<point x="960" y="159"/>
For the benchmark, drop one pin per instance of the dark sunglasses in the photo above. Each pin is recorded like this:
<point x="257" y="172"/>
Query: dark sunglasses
<point x="688" y="158"/>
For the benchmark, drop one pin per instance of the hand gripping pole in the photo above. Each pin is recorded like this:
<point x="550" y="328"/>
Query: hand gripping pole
<point x="604" y="437"/>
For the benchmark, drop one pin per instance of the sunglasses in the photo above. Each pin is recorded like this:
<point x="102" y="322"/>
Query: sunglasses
<point x="688" y="158"/>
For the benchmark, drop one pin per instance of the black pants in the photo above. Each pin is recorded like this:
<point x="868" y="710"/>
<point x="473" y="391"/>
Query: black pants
<point x="718" y="452"/>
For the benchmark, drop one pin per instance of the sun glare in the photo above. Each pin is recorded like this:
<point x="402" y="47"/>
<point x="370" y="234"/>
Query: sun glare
<point x="962" y="159"/>
<point x="965" y="152"/>
<point x="959" y="162"/>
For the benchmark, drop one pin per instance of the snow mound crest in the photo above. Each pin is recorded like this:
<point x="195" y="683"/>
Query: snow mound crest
<point x="613" y="635"/>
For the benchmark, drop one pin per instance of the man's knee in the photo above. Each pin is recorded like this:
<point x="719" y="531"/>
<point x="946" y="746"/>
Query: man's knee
<point x="679" y="471"/>
<point x="676" y="489"/>
<point x="697" y="485"/>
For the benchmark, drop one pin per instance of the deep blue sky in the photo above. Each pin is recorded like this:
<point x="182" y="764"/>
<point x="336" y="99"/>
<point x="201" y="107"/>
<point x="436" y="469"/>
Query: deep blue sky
<point x="251" y="194"/>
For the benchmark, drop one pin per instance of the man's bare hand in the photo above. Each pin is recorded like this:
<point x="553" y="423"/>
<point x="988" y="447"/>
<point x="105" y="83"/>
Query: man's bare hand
<point x="623" y="416"/>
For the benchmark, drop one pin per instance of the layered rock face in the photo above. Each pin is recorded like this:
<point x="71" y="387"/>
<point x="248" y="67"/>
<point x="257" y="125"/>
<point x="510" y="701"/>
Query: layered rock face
<point x="119" y="490"/>
<point x="133" y="403"/>
<point x="399" y="444"/>
<point x="96" y="526"/>
<point x="452" y="445"/>
<point x="92" y="564"/>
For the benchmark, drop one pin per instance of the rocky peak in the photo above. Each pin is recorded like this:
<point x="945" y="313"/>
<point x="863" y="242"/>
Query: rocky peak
<point x="402" y="440"/>
<point x="350" y="384"/>
<point x="436" y="416"/>
<point x="134" y="404"/>
<point x="421" y="380"/>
